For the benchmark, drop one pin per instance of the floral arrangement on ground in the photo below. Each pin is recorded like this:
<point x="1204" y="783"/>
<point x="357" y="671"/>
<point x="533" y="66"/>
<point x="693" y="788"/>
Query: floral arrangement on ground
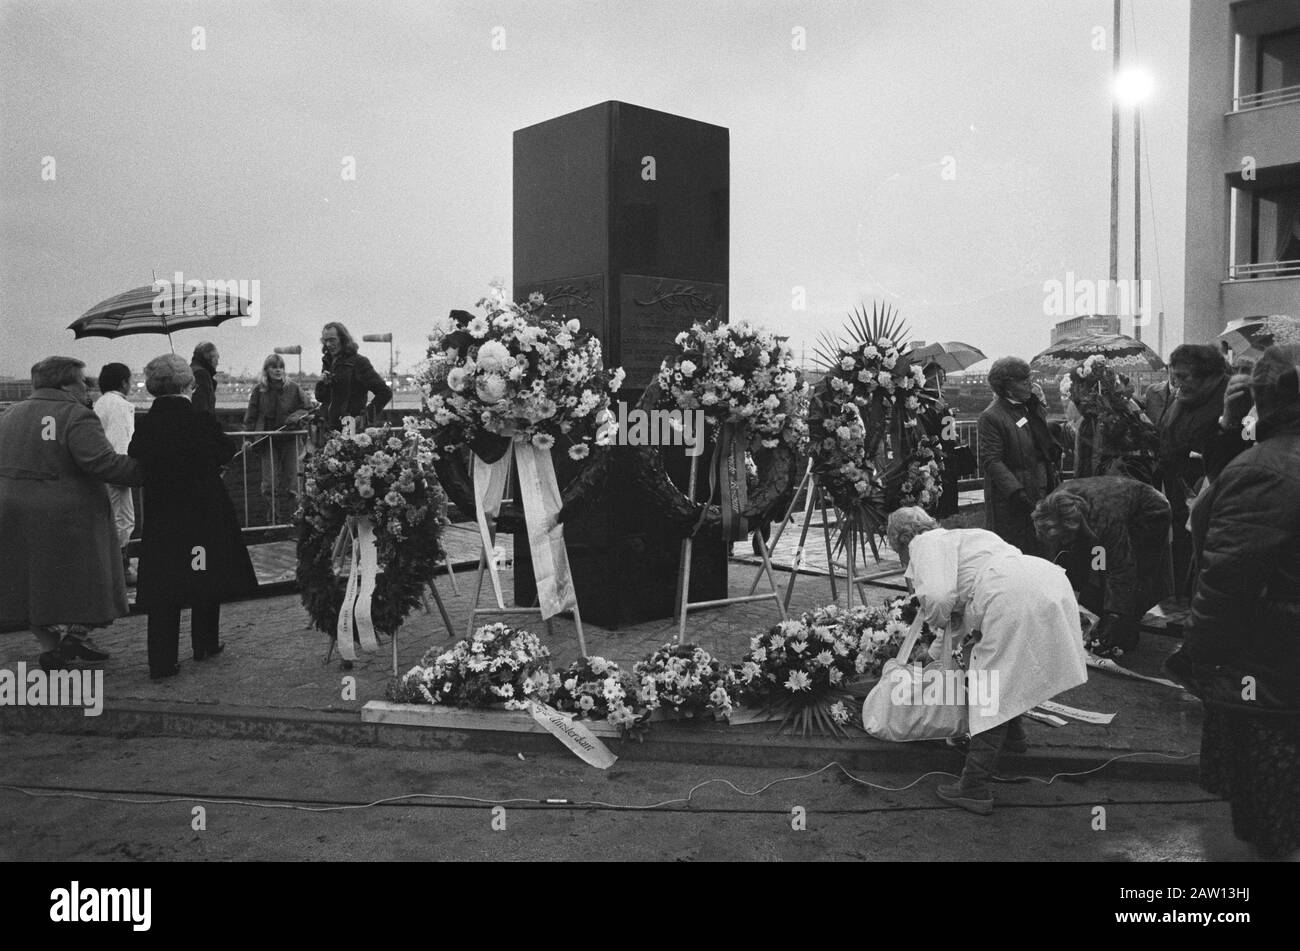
<point x="597" y="689"/>
<point x="383" y="474"/>
<point x="805" y="669"/>
<point x="497" y="665"/>
<point x="808" y="671"/>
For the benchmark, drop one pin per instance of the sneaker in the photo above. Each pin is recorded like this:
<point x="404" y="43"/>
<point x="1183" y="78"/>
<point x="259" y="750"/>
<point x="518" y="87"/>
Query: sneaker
<point x="954" y="795"/>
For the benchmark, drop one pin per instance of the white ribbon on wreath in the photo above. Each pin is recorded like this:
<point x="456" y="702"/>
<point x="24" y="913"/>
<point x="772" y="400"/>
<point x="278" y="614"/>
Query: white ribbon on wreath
<point x="358" y="534"/>
<point x="542" y="502"/>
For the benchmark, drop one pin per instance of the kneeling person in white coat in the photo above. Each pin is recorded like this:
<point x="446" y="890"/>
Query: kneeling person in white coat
<point x="1024" y="610"/>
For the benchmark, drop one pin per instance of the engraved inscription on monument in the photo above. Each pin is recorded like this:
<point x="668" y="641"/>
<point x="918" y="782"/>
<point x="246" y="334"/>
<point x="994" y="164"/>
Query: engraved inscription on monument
<point x="654" y="310"/>
<point x="574" y="298"/>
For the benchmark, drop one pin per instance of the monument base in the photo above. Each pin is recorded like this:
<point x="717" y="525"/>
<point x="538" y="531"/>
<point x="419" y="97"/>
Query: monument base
<point x="624" y="557"/>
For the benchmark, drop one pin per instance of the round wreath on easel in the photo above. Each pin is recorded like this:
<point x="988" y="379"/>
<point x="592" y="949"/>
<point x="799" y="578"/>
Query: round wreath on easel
<point x="384" y="474"/>
<point x="752" y="395"/>
<point x="869" y="452"/>
<point x="514" y="373"/>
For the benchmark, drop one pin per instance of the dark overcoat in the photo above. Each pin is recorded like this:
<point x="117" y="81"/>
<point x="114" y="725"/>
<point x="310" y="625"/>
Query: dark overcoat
<point x="191" y="548"/>
<point x="59" y="557"/>
<point x="1010" y="460"/>
<point x="1130" y="521"/>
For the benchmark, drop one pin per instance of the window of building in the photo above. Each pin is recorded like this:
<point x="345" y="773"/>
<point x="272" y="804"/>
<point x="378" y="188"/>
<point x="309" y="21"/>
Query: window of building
<point x="1267" y="224"/>
<point x="1278" y="65"/>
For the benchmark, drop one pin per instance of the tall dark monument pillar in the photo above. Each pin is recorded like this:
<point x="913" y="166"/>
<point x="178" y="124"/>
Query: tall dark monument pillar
<point x="621" y="220"/>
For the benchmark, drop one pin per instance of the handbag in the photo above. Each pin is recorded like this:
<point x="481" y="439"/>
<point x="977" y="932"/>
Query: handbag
<point x="893" y="709"/>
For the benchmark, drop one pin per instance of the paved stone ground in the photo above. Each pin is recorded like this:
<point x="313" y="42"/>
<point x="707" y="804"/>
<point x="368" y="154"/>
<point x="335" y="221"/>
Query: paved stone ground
<point x="275" y="661"/>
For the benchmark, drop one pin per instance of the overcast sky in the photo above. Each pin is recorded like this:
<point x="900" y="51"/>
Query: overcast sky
<point x="226" y="162"/>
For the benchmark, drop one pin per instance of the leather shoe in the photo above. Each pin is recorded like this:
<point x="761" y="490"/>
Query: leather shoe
<point x="54" y="660"/>
<point x="164" y="674"/>
<point x="209" y="652"/>
<point x="82" y="650"/>
<point x="954" y="795"/>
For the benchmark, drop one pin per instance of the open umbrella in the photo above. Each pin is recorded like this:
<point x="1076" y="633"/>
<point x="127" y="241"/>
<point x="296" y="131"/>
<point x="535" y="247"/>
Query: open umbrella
<point x="952" y="357"/>
<point x="1249" y="337"/>
<point x="161" y="308"/>
<point x="1120" y="350"/>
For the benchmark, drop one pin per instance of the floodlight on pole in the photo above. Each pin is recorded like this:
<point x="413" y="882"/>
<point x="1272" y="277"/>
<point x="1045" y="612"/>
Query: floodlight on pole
<point x="1133" y="87"/>
<point x="295" y="350"/>
<point x="383" y="338"/>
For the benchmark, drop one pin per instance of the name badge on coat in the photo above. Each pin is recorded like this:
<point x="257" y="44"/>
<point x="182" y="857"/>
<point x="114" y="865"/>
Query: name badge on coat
<point x="1022" y="421"/>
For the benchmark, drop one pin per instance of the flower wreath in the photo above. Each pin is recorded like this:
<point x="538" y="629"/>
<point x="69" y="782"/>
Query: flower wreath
<point x="1114" y="425"/>
<point x="385" y="474"/>
<point x="868" y="448"/>
<point x="745" y="381"/>
<point x="517" y="373"/>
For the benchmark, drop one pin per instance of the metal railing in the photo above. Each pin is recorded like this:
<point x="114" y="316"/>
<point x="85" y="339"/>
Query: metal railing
<point x="1267" y="97"/>
<point x="1237" y="272"/>
<point x="266" y="439"/>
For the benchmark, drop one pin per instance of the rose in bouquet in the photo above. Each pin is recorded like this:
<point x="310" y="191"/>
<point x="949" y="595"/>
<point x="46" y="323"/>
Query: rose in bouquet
<point x="597" y="689"/>
<point x="510" y="373"/>
<point x="498" y="664"/>
<point x="685" y="680"/>
<point x="384" y="474"/>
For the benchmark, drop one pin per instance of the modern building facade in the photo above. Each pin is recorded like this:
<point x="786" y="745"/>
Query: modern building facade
<point x="1243" y="164"/>
<point x="1078" y="326"/>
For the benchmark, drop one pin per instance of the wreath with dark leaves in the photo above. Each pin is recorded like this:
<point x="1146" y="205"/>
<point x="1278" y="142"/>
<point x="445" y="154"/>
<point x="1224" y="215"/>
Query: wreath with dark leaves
<point x="771" y="490"/>
<point x="408" y="527"/>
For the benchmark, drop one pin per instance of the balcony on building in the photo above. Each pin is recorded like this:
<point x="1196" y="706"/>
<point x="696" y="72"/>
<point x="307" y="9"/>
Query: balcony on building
<point x="1262" y="124"/>
<point x="1268" y="63"/>
<point x="1265" y="223"/>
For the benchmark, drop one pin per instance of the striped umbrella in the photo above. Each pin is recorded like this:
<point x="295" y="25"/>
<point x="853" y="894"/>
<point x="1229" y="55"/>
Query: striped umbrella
<point x="952" y="357"/>
<point x="162" y="307"/>
<point x="1249" y="337"/>
<point x="1120" y="350"/>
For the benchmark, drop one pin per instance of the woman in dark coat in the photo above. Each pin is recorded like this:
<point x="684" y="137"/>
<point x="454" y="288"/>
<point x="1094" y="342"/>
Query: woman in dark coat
<point x="1017" y="455"/>
<point x="60" y="562"/>
<point x="347" y="380"/>
<point x="192" y="554"/>
<point x="204" y="368"/>
<point x="1241" y="654"/>
<point x="1132" y="572"/>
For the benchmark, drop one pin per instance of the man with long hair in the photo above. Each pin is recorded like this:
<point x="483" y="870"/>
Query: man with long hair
<point x="348" y="379"/>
